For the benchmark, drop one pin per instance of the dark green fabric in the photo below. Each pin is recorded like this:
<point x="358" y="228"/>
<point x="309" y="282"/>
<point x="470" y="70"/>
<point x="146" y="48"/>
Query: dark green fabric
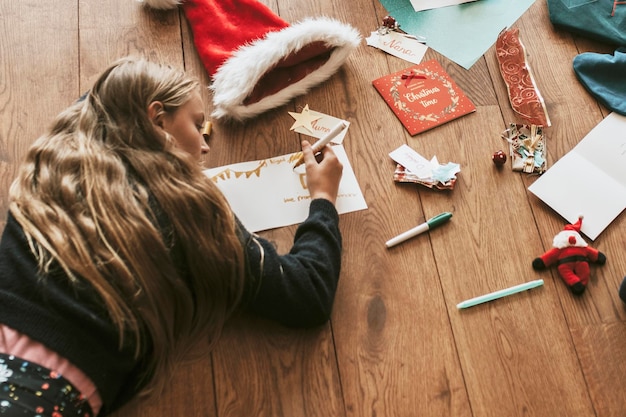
<point x="590" y="19"/>
<point x="604" y="76"/>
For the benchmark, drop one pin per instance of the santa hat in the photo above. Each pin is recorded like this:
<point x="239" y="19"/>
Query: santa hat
<point x="575" y="226"/>
<point x="257" y="60"/>
<point x="570" y="236"/>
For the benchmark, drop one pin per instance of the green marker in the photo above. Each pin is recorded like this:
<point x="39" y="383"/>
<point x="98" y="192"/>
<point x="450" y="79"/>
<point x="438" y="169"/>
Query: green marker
<point x="438" y="220"/>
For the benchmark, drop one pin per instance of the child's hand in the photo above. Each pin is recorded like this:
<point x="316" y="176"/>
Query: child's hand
<point x="322" y="177"/>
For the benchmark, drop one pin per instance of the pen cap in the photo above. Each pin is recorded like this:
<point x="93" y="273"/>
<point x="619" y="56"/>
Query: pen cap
<point x="206" y="130"/>
<point x="439" y="219"/>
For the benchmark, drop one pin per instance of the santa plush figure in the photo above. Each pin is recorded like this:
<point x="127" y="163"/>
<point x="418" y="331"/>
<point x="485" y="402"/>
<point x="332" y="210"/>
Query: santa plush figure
<point x="256" y="60"/>
<point x="572" y="256"/>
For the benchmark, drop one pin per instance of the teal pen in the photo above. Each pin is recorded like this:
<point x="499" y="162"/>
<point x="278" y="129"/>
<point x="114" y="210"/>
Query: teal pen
<point x="438" y="220"/>
<point x="499" y="294"/>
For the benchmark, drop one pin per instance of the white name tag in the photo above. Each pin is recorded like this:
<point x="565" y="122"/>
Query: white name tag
<point x="399" y="45"/>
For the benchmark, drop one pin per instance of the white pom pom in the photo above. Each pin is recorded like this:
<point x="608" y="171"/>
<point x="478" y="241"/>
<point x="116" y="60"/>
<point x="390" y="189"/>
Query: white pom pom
<point x="161" y="4"/>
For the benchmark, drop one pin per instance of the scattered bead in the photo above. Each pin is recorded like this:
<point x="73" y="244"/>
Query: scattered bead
<point x="390" y="22"/>
<point x="499" y="158"/>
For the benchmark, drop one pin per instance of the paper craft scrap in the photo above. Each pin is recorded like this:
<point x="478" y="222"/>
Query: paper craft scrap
<point x="268" y="194"/>
<point x="319" y="124"/>
<point x="398" y="45"/>
<point x="419" y="5"/>
<point x="423" y="96"/>
<point x="305" y="119"/>
<point x="590" y="179"/>
<point x="527" y="148"/>
<point x="462" y="33"/>
<point x="413" y="167"/>
<point x="390" y="24"/>
<point x="524" y="95"/>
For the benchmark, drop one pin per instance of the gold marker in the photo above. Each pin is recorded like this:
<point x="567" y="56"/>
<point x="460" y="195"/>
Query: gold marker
<point x="325" y="140"/>
<point x="206" y="130"/>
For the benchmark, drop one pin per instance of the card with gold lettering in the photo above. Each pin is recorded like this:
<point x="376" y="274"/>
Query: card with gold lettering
<point x="423" y="96"/>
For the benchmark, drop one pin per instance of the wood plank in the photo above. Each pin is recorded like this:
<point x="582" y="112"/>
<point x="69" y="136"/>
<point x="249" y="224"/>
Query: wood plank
<point x="518" y="338"/>
<point x="189" y="392"/>
<point x="603" y="361"/>
<point x="34" y="84"/>
<point x="394" y="343"/>
<point x="110" y="32"/>
<point x="263" y="369"/>
<point x="573" y="113"/>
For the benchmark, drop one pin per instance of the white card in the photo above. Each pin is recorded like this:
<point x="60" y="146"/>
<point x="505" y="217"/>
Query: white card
<point x="590" y="179"/>
<point x="268" y="193"/>
<point x="412" y="161"/>
<point x="419" y="5"/>
<point x="399" y="45"/>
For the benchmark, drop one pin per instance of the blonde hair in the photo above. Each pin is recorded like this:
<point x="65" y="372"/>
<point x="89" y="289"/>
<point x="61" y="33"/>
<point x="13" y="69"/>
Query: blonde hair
<point x="94" y="195"/>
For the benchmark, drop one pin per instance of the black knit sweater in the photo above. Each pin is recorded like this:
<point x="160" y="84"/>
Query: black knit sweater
<point x="295" y="289"/>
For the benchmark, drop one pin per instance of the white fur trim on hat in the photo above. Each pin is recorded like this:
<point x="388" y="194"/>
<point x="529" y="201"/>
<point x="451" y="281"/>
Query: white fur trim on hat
<point x="161" y="4"/>
<point x="236" y="78"/>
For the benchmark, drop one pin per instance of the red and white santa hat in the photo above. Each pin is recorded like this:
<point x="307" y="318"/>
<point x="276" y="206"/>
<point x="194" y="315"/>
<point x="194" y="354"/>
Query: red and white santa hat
<point x="258" y="61"/>
<point x="575" y="226"/>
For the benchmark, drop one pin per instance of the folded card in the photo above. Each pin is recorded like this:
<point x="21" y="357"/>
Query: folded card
<point x="269" y="193"/>
<point x="590" y="179"/>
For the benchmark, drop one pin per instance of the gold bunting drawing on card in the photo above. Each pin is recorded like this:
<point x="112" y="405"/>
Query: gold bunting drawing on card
<point x="227" y="173"/>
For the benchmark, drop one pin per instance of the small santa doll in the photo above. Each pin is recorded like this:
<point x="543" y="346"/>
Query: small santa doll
<point x="572" y="255"/>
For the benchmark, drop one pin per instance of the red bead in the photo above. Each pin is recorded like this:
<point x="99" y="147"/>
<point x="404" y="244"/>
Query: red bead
<point x="389" y="22"/>
<point x="499" y="158"/>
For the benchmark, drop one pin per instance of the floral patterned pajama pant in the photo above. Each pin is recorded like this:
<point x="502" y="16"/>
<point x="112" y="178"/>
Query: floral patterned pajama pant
<point x="27" y="389"/>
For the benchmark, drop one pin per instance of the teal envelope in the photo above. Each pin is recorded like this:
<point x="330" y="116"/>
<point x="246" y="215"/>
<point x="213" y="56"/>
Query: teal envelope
<point x="462" y="33"/>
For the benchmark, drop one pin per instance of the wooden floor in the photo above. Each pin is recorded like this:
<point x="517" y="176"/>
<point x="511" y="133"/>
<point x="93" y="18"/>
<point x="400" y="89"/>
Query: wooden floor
<point x="396" y="346"/>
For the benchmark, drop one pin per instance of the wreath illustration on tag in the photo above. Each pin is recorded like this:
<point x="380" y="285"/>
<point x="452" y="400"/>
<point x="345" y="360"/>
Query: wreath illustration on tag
<point x="406" y="78"/>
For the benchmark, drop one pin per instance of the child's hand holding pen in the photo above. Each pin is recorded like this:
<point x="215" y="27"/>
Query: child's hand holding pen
<point x="322" y="177"/>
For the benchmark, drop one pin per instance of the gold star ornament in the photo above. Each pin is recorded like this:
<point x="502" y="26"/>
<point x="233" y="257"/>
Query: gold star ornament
<point x="304" y="119"/>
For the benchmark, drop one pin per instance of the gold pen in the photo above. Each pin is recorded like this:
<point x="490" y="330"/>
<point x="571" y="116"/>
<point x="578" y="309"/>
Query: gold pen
<point x="325" y="140"/>
<point x="206" y="130"/>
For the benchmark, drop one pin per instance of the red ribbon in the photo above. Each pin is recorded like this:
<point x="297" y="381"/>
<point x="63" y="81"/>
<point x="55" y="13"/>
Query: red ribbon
<point x="411" y="76"/>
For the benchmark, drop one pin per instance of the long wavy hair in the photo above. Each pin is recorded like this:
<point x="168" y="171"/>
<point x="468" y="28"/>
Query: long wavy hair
<point x="91" y="195"/>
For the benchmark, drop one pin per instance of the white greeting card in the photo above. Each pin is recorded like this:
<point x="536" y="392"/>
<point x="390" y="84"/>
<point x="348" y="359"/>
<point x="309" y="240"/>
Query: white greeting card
<point x="419" y="5"/>
<point x="590" y="179"/>
<point x="269" y="193"/>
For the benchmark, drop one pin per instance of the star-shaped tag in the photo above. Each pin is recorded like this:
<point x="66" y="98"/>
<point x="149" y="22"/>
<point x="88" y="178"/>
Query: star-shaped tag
<point x="304" y="119"/>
